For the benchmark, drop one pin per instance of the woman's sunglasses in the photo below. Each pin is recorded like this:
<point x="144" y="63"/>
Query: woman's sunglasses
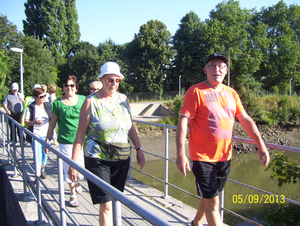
<point x="67" y="85"/>
<point x="111" y="80"/>
<point x="42" y="96"/>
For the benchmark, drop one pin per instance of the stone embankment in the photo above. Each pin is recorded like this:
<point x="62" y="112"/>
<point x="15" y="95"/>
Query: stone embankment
<point x="288" y="135"/>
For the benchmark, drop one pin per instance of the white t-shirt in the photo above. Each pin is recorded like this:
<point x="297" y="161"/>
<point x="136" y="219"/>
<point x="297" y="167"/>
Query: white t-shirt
<point x="40" y="114"/>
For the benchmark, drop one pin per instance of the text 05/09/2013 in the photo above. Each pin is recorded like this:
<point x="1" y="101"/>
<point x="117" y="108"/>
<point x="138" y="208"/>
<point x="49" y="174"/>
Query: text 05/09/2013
<point x="256" y="199"/>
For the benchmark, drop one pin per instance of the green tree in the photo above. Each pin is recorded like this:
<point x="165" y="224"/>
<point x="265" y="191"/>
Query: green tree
<point x="9" y="37"/>
<point x="84" y="62"/>
<point x="282" y="55"/>
<point x="39" y="64"/>
<point x="188" y="43"/>
<point x="149" y="57"/>
<point x="72" y="27"/>
<point x="3" y="71"/>
<point x="55" y="22"/>
<point x="9" y="34"/>
<point x="34" y="25"/>
<point x="230" y="28"/>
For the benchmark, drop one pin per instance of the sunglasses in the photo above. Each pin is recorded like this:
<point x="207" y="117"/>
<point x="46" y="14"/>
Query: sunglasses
<point x="92" y="89"/>
<point x="42" y="96"/>
<point x="111" y="80"/>
<point x="67" y="85"/>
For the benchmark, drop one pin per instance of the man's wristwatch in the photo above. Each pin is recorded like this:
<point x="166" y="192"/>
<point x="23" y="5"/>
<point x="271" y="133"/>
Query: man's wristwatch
<point x="140" y="148"/>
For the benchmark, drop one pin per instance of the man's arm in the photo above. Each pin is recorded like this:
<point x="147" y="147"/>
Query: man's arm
<point x="182" y="161"/>
<point x="252" y="130"/>
<point x="6" y="109"/>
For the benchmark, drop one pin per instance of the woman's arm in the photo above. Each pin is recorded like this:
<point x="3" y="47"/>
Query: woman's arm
<point x="51" y="127"/>
<point x="137" y="144"/>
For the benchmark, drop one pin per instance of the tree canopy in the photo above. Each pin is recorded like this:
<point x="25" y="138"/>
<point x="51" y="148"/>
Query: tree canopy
<point x="262" y="47"/>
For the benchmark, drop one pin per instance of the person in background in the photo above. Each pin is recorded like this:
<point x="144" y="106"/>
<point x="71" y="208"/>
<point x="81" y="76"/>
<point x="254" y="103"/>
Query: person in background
<point x="52" y="90"/>
<point x="52" y="97"/>
<point x="105" y="118"/>
<point x="95" y="86"/>
<point x="44" y="87"/>
<point x="65" y="111"/>
<point x="210" y="108"/>
<point x="37" y="116"/>
<point x="13" y="105"/>
<point x="28" y="100"/>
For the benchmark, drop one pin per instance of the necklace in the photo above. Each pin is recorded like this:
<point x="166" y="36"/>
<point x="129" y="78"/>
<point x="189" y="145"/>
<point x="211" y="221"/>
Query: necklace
<point x="110" y="100"/>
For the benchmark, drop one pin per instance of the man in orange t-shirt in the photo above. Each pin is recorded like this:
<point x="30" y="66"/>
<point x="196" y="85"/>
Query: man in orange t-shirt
<point x="210" y="108"/>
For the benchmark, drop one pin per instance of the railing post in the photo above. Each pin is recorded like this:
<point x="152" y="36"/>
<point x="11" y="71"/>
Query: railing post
<point x="14" y="148"/>
<point x="117" y="215"/>
<point x="166" y="163"/>
<point x="129" y="171"/>
<point x="23" y="160"/>
<point x="8" y="139"/>
<point x="61" y="191"/>
<point x="2" y="132"/>
<point x="38" y="187"/>
<point x="221" y="197"/>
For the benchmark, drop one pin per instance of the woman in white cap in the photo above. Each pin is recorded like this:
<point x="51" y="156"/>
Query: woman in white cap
<point x="13" y="105"/>
<point x="105" y="119"/>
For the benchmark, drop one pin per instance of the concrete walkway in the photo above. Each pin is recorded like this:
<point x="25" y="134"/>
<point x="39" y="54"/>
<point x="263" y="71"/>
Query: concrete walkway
<point x="170" y="209"/>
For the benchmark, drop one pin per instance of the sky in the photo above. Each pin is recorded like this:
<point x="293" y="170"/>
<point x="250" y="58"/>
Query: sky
<point x="120" y="20"/>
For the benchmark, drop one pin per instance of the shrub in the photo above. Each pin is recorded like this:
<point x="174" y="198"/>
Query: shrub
<point x="252" y="104"/>
<point x="287" y="214"/>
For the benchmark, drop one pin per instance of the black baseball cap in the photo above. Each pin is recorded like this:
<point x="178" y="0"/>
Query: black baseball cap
<point x="218" y="56"/>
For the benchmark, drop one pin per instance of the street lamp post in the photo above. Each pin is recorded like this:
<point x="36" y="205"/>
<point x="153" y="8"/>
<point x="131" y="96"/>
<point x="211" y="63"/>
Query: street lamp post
<point x="291" y="86"/>
<point x="179" y="85"/>
<point x="18" y="50"/>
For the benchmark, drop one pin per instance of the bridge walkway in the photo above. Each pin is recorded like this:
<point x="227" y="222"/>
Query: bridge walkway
<point x="170" y="209"/>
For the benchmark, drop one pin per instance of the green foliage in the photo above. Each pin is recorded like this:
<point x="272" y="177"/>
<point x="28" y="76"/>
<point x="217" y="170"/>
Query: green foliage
<point x="285" y="171"/>
<point x="3" y="70"/>
<point x="10" y="61"/>
<point x="149" y="54"/>
<point x="252" y="104"/>
<point x="175" y="106"/>
<point x="263" y="46"/>
<point x="55" y="22"/>
<point x="84" y="62"/>
<point x="39" y="64"/>
<point x="190" y="52"/>
<point x="282" y="54"/>
<point x="281" y="109"/>
<point x="283" y="215"/>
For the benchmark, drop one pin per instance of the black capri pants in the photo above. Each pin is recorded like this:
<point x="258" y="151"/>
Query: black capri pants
<point x="112" y="172"/>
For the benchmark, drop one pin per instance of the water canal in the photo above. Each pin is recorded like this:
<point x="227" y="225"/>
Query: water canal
<point x="246" y="168"/>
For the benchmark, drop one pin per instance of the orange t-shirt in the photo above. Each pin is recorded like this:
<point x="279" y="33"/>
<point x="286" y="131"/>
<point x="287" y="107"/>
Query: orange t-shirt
<point x="212" y="114"/>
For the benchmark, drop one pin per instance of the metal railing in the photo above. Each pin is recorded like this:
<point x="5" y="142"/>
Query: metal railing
<point x="118" y="197"/>
<point x="222" y="208"/>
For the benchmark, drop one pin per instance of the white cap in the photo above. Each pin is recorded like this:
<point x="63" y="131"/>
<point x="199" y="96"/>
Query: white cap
<point x="36" y="86"/>
<point x="15" y="86"/>
<point x="110" y="68"/>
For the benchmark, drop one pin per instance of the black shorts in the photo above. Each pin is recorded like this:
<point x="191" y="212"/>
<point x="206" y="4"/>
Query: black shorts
<point x="112" y="172"/>
<point x="210" y="177"/>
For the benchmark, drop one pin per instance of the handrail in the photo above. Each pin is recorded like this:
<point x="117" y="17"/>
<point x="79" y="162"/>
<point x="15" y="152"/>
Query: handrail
<point x="238" y="139"/>
<point x="116" y="194"/>
<point x="119" y="196"/>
